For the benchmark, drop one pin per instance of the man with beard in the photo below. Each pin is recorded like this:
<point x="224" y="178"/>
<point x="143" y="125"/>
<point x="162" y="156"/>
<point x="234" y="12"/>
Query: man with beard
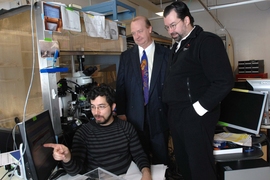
<point x="106" y="142"/>
<point x="197" y="79"/>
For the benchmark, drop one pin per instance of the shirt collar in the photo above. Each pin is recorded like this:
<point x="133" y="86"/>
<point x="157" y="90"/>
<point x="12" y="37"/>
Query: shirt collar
<point x="148" y="49"/>
<point x="187" y="34"/>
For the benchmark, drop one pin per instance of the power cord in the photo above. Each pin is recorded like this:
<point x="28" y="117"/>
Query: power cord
<point x="5" y="175"/>
<point x="9" y="169"/>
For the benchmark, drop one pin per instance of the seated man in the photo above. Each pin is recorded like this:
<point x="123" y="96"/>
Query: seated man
<point x="105" y="142"/>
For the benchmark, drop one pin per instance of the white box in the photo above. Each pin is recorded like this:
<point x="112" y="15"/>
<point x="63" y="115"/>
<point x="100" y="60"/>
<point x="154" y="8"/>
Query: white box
<point x="254" y="169"/>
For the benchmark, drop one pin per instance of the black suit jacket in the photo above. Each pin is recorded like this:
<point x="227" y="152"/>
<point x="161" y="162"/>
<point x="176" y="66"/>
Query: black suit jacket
<point x="129" y="90"/>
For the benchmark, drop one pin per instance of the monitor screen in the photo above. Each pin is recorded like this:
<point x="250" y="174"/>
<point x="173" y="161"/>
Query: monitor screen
<point x="243" y="110"/>
<point x="262" y="85"/>
<point x="35" y="132"/>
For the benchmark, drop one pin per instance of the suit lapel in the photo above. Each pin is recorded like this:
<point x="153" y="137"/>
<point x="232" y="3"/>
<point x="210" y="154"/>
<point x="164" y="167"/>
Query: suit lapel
<point x="135" y="61"/>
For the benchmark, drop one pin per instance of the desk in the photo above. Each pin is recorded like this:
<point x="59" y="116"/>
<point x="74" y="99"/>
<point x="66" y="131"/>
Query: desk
<point x="254" y="154"/>
<point x="133" y="173"/>
<point x="3" y="171"/>
<point x="267" y="127"/>
<point x="257" y="153"/>
<point x="247" y="164"/>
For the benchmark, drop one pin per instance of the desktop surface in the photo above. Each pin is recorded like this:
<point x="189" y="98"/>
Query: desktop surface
<point x="5" y="175"/>
<point x="3" y="171"/>
<point x="254" y="154"/>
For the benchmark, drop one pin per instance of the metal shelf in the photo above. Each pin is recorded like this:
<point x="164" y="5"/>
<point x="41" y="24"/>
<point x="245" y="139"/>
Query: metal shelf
<point x="75" y="53"/>
<point x="106" y="8"/>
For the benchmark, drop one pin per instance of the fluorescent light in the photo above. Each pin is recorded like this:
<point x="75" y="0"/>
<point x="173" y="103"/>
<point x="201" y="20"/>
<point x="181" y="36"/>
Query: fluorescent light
<point x="192" y="11"/>
<point x="197" y="10"/>
<point x="234" y="4"/>
<point x="219" y="6"/>
<point x="160" y="13"/>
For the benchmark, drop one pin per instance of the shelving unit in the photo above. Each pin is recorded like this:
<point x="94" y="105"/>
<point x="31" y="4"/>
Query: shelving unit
<point x="72" y="44"/>
<point x="109" y="9"/>
<point x="16" y="63"/>
<point x="165" y="41"/>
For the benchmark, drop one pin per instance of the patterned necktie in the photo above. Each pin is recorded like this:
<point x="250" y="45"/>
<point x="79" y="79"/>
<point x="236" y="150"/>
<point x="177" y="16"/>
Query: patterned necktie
<point x="145" y="78"/>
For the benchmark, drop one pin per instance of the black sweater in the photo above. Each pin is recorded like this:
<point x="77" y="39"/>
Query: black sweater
<point x="199" y="71"/>
<point x="110" y="147"/>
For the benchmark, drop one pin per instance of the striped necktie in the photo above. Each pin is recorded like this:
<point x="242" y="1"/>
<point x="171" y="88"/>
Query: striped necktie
<point x="145" y="78"/>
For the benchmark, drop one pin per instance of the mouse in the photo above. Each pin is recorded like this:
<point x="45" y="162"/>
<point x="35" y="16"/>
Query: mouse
<point x="55" y="175"/>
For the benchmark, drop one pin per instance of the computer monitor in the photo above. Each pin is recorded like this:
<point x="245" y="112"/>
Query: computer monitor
<point x="38" y="160"/>
<point x="243" y="111"/>
<point x="262" y="85"/>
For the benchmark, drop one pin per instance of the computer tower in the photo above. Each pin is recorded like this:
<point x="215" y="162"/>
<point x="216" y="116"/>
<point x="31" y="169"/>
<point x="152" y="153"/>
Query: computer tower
<point x="243" y="169"/>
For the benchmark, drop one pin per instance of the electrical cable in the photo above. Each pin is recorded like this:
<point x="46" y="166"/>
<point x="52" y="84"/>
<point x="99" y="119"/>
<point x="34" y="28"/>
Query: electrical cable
<point x="33" y="70"/>
<point x="13" y="170"/>
<point x="28" y="92"/>
<point x="14" y="137"/>
<point x="5" y="174"/>
<point x="29" y="88"/>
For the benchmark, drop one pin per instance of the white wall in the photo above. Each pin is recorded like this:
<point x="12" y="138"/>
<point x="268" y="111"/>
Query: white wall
<point x="248" y="25"/>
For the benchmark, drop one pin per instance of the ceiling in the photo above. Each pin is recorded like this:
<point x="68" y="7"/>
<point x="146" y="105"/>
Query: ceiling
<point x="156" y="5"/>
<point x="158" y="2"/>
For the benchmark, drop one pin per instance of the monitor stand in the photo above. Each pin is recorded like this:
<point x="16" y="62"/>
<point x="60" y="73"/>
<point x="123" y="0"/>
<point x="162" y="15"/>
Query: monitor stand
<point x="265" y="120"/>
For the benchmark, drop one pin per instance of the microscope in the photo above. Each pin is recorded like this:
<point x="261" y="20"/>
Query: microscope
<point x="73" y="95"/>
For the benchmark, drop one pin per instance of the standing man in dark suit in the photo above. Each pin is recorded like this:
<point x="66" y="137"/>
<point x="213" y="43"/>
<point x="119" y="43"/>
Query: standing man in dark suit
<point x="148" y="116"/>
<point x="198" y="77"/>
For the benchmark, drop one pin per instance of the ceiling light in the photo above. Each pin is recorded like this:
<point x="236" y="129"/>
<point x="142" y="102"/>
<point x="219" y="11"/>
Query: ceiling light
<point x="234" y="4"/>
<point x="160" y="13"/>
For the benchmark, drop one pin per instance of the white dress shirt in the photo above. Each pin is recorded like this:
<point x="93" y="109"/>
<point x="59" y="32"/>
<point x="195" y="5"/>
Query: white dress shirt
<point x="150" y="50"/>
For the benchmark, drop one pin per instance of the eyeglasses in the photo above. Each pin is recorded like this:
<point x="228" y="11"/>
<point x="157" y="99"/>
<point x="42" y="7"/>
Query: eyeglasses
<point x="171" y="26"/>
<point x="99" y="107"/>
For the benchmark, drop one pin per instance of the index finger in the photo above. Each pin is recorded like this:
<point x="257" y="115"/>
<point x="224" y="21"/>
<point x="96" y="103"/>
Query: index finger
<point x="51" y="145"/>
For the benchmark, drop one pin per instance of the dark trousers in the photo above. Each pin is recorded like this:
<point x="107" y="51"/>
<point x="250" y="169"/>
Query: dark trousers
<point x="192" y="139"/>
<point x="156" y="146"/>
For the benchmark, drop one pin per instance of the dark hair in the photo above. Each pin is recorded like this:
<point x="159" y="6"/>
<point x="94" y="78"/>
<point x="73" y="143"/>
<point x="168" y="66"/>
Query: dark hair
<point x="103" y="90"/>
<point x="181" y="9"/>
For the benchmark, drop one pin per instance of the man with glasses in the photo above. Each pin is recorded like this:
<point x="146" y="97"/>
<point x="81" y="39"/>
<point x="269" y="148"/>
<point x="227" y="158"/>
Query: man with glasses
<point x="105" y="142"/>
<point x="198" y="77"/>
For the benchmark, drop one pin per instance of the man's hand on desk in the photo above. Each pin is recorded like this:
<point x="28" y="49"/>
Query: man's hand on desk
<point x="146" y="174"/>
<point x="60" y="152"/>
